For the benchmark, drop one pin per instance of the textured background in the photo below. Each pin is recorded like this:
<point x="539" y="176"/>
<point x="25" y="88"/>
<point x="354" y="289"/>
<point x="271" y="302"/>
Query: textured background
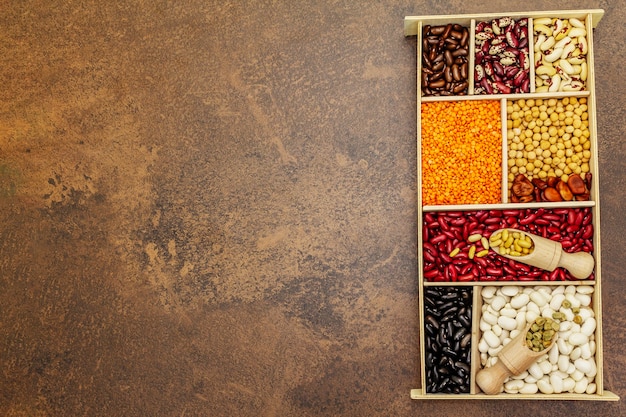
<point x="207" y="208"/>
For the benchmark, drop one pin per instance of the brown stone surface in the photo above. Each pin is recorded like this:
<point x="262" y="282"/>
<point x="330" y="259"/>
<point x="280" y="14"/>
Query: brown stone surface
<point x="207" y="208"/>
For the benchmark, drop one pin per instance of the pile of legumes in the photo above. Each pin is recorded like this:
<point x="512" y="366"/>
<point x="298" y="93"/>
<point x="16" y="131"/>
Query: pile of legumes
<point x="502" y="57"/>
<point x="548" y="138"/>
<point x="569" y="363"/>
<point x="448" y="325"/>
<point x="461" y="152"/>
<point x="560" y="54"/>
<point x="445" y="60"/>
<point x="456" y="243"/>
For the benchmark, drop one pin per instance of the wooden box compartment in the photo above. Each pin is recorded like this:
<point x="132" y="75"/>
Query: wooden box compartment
<point x="528" y="143"/>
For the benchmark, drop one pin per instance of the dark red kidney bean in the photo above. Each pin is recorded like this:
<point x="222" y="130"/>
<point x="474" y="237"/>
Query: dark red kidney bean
<point x="572" y="228"/>
<point x="493" y="271"/>
<point x="429" y="256"/>
<point x="466" y="277"/>
<point x="528" y="220"/>
<point x="554" y="275"/>
<point x="552" y="217"/>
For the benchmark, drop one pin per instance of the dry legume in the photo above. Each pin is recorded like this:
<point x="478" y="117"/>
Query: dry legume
<point x="461" y="148"/>
<point x="511" y="243"/>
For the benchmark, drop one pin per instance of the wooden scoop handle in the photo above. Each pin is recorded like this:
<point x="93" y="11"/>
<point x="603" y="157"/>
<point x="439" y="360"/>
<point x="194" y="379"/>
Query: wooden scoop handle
<point x="579" y="264"/>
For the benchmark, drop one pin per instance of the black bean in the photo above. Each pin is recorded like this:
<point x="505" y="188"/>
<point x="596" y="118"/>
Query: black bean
<point x="447" y="317"/>
<point x="466" y="340"/>
<point x="460" y="333"/>
<point x="432" y="320"/>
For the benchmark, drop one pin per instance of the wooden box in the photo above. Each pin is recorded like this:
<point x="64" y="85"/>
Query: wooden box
<point x="437" y="278"/>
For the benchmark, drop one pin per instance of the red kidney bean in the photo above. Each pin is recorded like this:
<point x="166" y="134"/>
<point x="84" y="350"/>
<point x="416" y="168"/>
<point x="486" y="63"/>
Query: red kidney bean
<point x="439" y="238"/>
<point x="493" y="271"/>
<point x="554" y="275"/>
<point x="466" y="277"/>
<point x="552" y="217"/>
<point x="553" y="229"/>
<point x="429" y="256"/>
<point x="528" y="220"/>
<point x="433" y="273"/>
<point x="452" y="272"/>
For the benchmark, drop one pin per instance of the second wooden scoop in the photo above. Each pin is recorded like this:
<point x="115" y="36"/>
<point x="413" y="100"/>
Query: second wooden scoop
<point x="513" y="359"/>
<point x="548" y="254"/>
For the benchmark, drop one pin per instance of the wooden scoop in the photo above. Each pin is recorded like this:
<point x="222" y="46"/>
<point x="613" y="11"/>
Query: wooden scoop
<point x="549" y="254"/>
<point x="513" y="359"/>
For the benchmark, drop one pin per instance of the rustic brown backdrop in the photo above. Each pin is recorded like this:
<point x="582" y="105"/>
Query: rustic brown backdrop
<point x="207" y="208"/>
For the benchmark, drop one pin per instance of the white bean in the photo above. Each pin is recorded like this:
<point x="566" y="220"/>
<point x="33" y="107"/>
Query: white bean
<point x="530" y="389"/>
<point x="591" y="388"/>
<point x="588" y="327"/>
<point x="513" y="386"/>
<point x="544" y="385"/>
<point x="566" y="66"/>
<point x="538" y="297"/>
<point x="585" y="300"/>
<point x="535" y="370"/>
<point x="584" y="289"/>
<point x="577" y="339"/>
<point x="491" y="339"/>
<point x="490" y="318"/>
<point x="484" y="326"/>
<point x="581" y="386"/>
<point x="568" y="384"/>
<point x="585" y="313"/>
<point x="498" y="302"/>
<point x="577" y="375"/>
<point x="557" y="300"/>
<point x="553" y="354"/>
<point x="557" y="383"/>
<point x="507" y="323"/>
<point x="546" y="367"/>
<point x="488" y="292"/>
<point x="483" y="346"/>
<point x="519" y="300"/>
<point x="583" y="365"/>
<point x="509" y="290"/>
<point x="563" y="363"/>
